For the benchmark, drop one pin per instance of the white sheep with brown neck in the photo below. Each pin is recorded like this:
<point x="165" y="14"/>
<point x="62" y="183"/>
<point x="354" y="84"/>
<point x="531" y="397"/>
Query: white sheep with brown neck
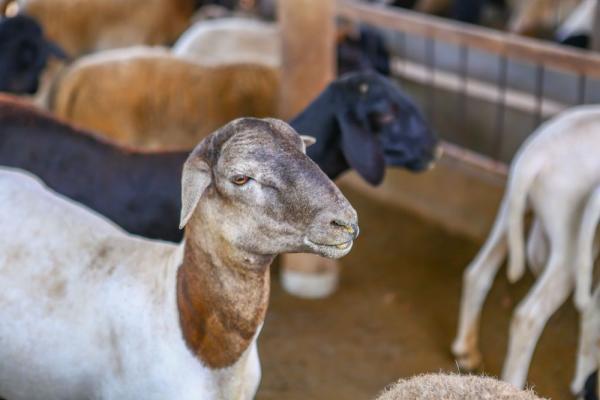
<point x="89" y="311"/>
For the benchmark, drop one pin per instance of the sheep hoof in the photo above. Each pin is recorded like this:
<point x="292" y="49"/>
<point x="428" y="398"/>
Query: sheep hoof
<point x="515" y="274"/>
<point x="309" y="285"/>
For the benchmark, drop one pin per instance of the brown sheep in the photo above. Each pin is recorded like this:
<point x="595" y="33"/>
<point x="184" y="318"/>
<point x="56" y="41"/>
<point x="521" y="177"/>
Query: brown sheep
<point x="81" y="27"/>
<point x="454" y="387"/>
<point x="95" y="86"/>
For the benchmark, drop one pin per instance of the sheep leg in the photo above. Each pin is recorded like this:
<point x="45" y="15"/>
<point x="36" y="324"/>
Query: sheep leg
<point x="477" y="281"/>
<point x="589" y="334"/>
<point x="548" y="294"/>
<point x="537" y="248"/>
<point x="309" y="276"/>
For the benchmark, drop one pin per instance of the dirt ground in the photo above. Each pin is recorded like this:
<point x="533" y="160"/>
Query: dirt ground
<point x="395" y="315"/>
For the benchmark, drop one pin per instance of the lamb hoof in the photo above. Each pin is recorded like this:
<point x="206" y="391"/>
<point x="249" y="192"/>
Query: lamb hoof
<point x="309" y="285"/>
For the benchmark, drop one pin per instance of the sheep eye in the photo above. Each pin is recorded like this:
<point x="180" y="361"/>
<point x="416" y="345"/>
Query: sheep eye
<point x="240" y="180"/>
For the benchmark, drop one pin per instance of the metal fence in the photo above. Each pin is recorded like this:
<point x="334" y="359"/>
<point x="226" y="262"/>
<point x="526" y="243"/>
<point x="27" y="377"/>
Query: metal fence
<point x="482" y="89"/>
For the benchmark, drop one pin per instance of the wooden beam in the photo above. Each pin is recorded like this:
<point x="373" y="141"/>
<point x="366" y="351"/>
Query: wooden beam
<point x="308" y="53"/>
<point x="596" y="29"/>
<point x="491" y="41"/>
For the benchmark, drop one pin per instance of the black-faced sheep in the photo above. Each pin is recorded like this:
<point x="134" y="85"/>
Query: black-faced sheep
<point x="24" y="53"/>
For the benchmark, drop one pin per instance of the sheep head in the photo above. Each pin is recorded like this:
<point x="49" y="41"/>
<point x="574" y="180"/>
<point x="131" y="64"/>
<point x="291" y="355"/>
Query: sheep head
<point x="265" y="195"/>
<point x="381" y="127"/>
<point x="24" y="53"/>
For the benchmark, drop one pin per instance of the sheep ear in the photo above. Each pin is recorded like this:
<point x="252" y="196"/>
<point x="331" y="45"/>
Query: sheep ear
<point x="361" y="148"/>
<point x="307" y="141"/>
<point x="194" y="180"/>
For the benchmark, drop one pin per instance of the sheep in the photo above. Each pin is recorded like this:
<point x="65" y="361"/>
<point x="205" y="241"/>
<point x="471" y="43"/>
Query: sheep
<point x="454" y="387"/>
<point x="135" y="96"/>
<point x="242" y="40"/>
<point x="530" y="17"/>
<point x="576" y="29"/>
<point x="231" y="41"/>
<point x="554" y="171"/>
<point x="363" y="49"/>
<point x="24" y="54"/>
<point x="90" y="311"/>
<point x="82" y="27"/>
<point x="139" y="190"/>
<point x="535" y="16"/>
<point x="587" y="248"/>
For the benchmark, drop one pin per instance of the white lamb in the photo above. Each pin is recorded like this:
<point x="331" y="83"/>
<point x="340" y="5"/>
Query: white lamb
<point x="553" y="172"/>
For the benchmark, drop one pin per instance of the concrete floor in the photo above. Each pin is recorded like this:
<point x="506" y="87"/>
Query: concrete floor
<point x="395" y="315"/>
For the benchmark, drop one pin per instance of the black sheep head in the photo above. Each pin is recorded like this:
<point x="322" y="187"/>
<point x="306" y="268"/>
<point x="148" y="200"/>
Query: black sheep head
<point x="24" y="53"/>
<point x="363" y="51"/>
<point x="380" y="126"/>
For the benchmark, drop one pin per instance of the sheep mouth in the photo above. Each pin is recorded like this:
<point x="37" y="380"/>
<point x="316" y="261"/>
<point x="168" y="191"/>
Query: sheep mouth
<point x="330" y="250"/>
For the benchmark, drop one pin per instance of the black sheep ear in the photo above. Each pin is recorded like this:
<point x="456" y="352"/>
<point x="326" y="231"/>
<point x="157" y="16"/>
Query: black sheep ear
<point x="361" y="149"/>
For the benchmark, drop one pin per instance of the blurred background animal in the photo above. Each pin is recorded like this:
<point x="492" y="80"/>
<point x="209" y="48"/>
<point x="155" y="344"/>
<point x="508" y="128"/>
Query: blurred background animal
<point x="139" y="190"/>
<point x="24" y="54"/>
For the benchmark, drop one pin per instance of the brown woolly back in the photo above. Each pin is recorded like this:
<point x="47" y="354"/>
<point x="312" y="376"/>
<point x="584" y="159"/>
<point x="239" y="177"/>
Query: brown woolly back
<point x="454" y="387"/>
<point x="82" y="27"/>
<point x="148" y="98"/>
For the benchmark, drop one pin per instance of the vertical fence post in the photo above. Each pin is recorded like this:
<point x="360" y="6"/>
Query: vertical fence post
<point x="596" y="29"/>
<point x="308" y="51"/>
<point x="500" y="109"/>
<point x="539" y="94"/>
<point x="308" y="40"/>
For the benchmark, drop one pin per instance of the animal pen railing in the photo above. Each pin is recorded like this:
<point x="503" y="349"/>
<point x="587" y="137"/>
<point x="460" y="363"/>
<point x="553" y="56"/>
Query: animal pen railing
<point x="483" y="90"/>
